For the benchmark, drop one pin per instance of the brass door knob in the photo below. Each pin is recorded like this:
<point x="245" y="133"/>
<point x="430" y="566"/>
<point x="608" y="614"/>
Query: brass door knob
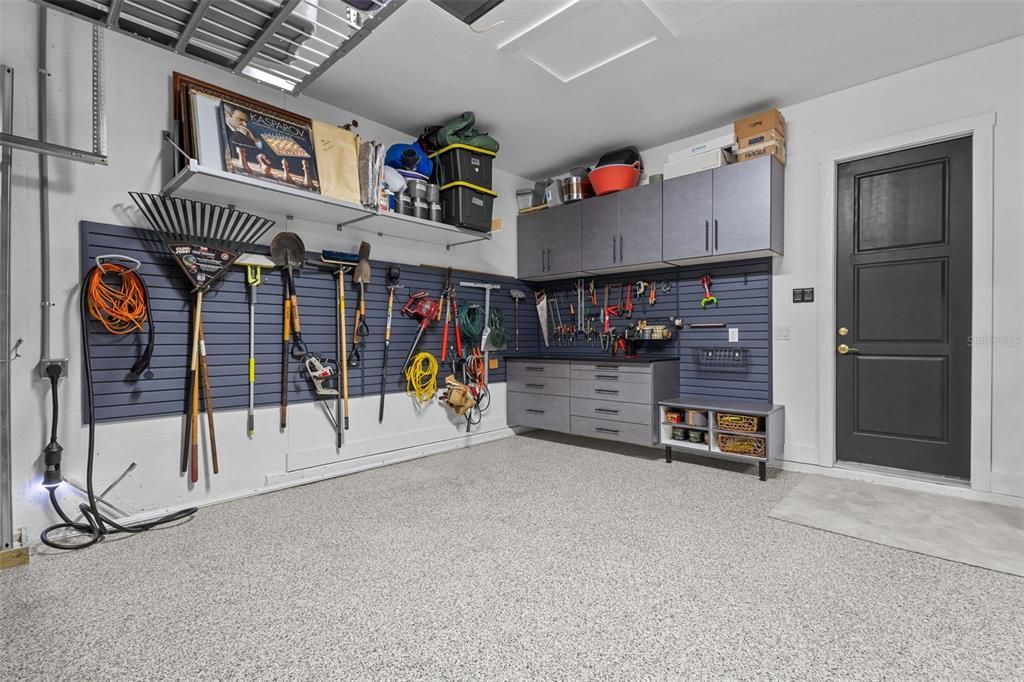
<point x="843" y="331"/>
<point x="843" y="349"/>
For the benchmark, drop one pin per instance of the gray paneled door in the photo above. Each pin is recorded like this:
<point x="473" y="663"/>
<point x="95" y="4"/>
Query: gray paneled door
<point x="903" y="309"/>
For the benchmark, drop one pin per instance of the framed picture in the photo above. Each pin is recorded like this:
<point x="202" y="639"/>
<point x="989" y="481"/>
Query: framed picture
<point x="268" y="147"/>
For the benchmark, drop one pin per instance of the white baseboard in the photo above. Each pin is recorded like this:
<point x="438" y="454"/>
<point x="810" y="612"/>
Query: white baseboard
<point x="275" y="482"/>
<point x="962" y="492"/>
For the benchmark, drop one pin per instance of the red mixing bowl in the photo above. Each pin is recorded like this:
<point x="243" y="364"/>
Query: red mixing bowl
<point x="615" y="177"/>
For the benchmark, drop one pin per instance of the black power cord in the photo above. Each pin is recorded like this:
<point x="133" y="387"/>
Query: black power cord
<point x="94" y="526"/>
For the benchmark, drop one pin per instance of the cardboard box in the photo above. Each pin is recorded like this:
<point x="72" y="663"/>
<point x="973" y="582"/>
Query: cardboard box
<point x="760" y="123"/>
<point x="761" y="138"/>
<point x="776" y="149"/>
<point x="697" y="163"/>
<point x="721" y="142"/>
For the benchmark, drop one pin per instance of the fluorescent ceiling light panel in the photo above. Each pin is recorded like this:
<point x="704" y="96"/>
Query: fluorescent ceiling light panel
<point x="586" y="35"/>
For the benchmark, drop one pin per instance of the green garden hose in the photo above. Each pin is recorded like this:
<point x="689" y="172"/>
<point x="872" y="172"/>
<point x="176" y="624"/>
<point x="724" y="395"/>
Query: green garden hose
<point x="471" y="323"/>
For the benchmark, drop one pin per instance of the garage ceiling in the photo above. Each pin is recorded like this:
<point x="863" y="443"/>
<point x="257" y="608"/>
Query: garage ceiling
<point x="558" y="82"/>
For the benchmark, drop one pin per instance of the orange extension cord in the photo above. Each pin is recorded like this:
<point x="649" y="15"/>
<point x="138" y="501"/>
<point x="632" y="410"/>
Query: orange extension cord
<point x="120" y="308"/>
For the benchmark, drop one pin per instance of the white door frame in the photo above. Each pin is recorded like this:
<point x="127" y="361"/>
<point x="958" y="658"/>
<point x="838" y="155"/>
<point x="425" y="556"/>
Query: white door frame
<point x="980" y="127"/>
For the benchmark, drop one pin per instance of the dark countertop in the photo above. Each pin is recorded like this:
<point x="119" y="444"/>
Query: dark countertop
<point x="603" y="359"/>
<point x="755" y="407"/>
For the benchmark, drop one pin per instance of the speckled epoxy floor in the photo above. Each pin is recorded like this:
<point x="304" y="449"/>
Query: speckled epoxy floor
<point x="524" y="558"/>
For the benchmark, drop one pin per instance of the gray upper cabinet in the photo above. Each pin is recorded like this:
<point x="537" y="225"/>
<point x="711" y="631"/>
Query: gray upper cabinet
<point x="531" y="245"/>
<point x="563" y="236"/>
<point x="600" y="231"/>
<point x="640" y="226"/>
<point x="729" y="213"/>
<point x="688" y="214"/>
<point x="622" y="231"/>
<point x="548" y="242"/>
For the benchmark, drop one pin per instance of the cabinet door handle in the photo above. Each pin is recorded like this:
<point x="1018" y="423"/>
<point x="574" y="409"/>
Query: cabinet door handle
<point x="532" y="411"/>
<point x="604" y="430"/>
<point x="613" y="248"/>
<point x="605" y="410"/>
<point x="609" y="377"/>
<point x="534" y="369"/>
<point x="535" y="385"/>
<point x="716" y="234"/>
<point x="606" y="391"/>
<point x="707" y="233"/>
<point x="620" y="248"/>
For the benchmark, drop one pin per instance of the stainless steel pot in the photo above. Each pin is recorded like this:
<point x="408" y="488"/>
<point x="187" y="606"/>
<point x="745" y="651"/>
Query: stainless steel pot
<point x="574" y="189"/>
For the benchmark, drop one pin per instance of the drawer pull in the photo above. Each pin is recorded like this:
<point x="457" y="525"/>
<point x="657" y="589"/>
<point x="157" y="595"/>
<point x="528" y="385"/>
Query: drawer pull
<point x="532" y="411"/>
<point x="534" y="369"/>
<point x="609" y="377"/>
<point x="605" y="391"/>
<point x="535" y="385"/>
<point x="604" y="430"/>
<point x="605" y="410"/>
<point x="606" y="366"/>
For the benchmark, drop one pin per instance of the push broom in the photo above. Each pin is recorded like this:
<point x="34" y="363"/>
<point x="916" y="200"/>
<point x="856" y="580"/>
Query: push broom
<point x="204" y="240"/>
<point x="343" y="261"/>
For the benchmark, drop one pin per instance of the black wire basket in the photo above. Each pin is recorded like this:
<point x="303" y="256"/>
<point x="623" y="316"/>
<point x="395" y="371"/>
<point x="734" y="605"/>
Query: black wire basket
<point x="722" y="359"/>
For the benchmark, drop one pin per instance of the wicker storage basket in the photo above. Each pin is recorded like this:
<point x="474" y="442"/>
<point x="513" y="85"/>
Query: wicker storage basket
<point x="738" y="422"/>
<point x="741" y="445"/>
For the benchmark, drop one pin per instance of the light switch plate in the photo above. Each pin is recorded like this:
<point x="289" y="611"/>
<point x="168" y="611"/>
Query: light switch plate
<point x="734" y="335"/>
<point x="782" y="333"/>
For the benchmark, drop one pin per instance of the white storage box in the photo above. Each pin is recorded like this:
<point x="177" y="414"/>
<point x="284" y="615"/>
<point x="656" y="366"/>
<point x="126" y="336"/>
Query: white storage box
<point x="697" y="163"/>
<point x="727" y="142"/>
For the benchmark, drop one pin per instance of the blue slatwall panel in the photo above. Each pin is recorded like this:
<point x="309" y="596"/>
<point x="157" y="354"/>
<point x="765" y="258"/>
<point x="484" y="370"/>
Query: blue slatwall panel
<point x="226" y="319"/>
<point x="744" y="293"/>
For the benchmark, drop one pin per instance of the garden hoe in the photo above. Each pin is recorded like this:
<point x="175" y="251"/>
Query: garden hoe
<point x="517" y="296"/>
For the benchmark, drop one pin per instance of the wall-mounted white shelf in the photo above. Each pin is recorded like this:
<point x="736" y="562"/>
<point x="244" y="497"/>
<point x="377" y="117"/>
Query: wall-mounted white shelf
<point x="415" y="229"/>
<point x="217" y="186"/>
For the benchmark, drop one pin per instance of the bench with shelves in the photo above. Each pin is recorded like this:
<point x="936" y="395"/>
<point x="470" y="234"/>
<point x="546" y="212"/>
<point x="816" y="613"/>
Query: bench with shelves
<point x="740" y="430"/>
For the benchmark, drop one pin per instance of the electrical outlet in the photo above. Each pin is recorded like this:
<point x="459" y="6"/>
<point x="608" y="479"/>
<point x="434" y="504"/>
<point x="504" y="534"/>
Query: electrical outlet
<point x="782" y="333"/>
<point x="734" y="335"/>
<point x="61" y="362"/>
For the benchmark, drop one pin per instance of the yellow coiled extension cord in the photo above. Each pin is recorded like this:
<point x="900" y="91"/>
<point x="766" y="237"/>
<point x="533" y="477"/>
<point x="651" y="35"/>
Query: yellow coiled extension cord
<point x="421" y="377"/>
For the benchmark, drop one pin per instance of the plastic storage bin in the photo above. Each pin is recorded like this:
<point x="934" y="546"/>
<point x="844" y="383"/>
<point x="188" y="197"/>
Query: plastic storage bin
<point x="466" y="205"/>
<point x="462" y="163"/>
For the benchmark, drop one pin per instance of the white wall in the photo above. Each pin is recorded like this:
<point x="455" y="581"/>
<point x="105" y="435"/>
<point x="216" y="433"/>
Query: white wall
<point x="990" y="79"/>
<point x="138" y="100"/>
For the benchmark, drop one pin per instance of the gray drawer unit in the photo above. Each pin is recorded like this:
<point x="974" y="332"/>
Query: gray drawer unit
<point x="539" y="385"/>
<point x="539" y="412"/>
<point x="524" y="369"/>
<point x="637" y="434"/>
<point x="609" y="410"/>
<point x="613" y="391"/>
<point x="647" y="368"/>
<point x="610" y="375"/>
<point x="591" y="397"/>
